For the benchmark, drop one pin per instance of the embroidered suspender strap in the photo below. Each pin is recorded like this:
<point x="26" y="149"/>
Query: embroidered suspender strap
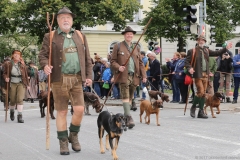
<point x="63" y="53"/>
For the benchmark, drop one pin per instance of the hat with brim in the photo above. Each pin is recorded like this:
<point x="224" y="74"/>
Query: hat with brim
<point x="201" y="37"/>
<point x="65" y="10"/>
<point x="128" y="29"/>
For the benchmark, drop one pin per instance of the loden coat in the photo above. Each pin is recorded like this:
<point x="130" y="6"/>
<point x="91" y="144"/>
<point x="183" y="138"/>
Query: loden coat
<point x="23" y="69"/>
<point x="57" y="49"/>
<point x="198" y="56"/>
<point x="119" y="57"/>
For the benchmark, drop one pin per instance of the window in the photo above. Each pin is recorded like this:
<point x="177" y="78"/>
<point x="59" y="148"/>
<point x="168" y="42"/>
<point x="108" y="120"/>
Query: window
<point x="113" y="43"/>
<point x="237" y="47"/>
<point x="184" y="48"/>
<point x="218" y="46"/>
<point x="138" y="45"/>
<point x="111" y="47"/>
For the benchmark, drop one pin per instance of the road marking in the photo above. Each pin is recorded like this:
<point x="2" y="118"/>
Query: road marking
<point x="213" y="139"/>
<point x="181" y="116"/>
<point x="235" y="153"/>
<point x="39" y="129"/>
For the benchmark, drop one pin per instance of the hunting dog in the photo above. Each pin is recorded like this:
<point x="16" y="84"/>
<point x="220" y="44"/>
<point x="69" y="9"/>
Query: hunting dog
<point x="150" y="108"/>
<point x="114" y="126"/>
<point x="154" y="95"/>
<point x="213" y="101"/>
<point x="43" y="103"/>
<point x="91" y="99"/>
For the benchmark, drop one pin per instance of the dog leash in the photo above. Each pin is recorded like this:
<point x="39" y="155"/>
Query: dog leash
<point x="99" y="98"/>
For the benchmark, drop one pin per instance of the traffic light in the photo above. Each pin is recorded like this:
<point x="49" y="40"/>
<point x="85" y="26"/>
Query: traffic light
<point x="209" y="34"/>
<point x="193" y="14"/>
<point x="192" y="18"/>
<point x="151" y="45"/>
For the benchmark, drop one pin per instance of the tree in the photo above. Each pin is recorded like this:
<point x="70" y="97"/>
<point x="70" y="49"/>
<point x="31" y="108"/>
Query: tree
<point x="5" y="21"/>
<point x="6" y="47"/>
<point x="168" y="21"/>
<point x="30" y="16"/>
<point x="26" y="44"/>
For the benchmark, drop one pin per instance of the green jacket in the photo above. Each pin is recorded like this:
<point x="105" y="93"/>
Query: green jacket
<point x="212" y="66"/>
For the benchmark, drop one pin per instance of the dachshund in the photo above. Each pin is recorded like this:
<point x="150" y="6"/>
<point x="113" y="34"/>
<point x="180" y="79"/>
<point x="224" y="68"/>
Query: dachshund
<point x="150" y="108"/>
<point x="213" y="101"/>
<point x="154" y="95"/>
<point x="91" y="99"/>
<point x="114" y="126"/>
<point x="43" y="103"/>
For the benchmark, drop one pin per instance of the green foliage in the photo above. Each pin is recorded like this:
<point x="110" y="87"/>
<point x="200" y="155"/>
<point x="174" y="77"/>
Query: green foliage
<point x="30" y="16"/>
<point x="25" y="44"/>
<point x="168" y="21"/>
<point x="165" y="70"/>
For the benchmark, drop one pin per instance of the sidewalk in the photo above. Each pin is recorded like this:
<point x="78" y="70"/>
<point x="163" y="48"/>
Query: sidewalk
<point x="223" y="106"/>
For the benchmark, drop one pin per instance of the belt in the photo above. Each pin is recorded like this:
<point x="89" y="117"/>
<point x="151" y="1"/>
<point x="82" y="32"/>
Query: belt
<point x="131" y="73"/>
<point x="69" y="74"/>
<point x="19" y="76"/>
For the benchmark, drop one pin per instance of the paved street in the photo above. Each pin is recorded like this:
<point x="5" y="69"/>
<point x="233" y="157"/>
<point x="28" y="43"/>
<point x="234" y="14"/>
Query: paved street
<point x="178" y="138"/>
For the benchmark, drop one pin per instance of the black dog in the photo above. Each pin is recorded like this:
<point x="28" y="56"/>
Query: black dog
<point x="114" y="125"/>
<point x="43" y="103"/>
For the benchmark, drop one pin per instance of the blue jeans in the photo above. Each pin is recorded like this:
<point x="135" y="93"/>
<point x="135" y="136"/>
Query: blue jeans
<point x="236" y="87"/>
<point x="97" y="88"/>
<point x="161" y="85"/>
<point x="176" y="91"/>
<point x="143" y="94"/>
<point x="116" y="93"/>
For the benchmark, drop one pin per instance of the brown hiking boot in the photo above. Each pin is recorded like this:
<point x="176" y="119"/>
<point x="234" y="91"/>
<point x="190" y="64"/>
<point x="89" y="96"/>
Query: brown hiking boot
<point x="73" y="138"/>
<point x="129" y="122"/>
<point x="64" y="146"/>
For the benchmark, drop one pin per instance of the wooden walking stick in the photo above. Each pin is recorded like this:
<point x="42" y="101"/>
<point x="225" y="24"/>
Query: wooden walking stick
<point x="189" y="86"/>
<point x="145" y="28"/>
<point x="49" y="81"/>
<point x="6" y="97"/>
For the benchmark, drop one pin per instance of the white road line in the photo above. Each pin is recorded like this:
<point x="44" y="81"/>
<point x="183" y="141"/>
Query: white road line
<point x="182" y="116"/>
<point x="213" y="139"/>
<point x="235" y="153"/>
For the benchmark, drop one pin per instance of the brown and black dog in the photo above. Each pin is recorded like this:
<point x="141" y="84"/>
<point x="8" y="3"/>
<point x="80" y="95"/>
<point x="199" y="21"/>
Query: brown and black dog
<point x="91" y="99"/>
<point x="114" y="126"/>
<point x="154" y="95"/>
<point x="150" y="108"/>
<point x="213" y="101"/>
<point x="43" y="103"/>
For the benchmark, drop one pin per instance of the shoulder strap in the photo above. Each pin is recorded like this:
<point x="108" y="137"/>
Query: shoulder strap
<point x="194" y="50"/>
<point x="78" y="32"/>
<point x="80" y="35"/>
<point x="193" y="59"/>
<point x="119" y="43"/>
